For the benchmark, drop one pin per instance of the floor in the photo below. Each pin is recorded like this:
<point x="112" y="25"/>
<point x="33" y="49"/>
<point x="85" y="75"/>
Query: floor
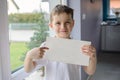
<point x="108" y="66"/>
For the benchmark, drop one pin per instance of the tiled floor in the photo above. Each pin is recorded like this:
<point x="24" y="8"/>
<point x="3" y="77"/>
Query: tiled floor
<point x="108" y="66"/>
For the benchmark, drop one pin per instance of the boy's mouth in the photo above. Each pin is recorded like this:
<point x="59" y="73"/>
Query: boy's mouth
<point x="63" y="31"/>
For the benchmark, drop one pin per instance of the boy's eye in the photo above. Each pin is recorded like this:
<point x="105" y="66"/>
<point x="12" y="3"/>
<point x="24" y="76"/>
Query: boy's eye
<point x="58" y="23"/>
<point x="67" y="22"/>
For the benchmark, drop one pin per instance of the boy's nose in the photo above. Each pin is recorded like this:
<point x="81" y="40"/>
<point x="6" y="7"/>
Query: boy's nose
<point x="63" y="26"/>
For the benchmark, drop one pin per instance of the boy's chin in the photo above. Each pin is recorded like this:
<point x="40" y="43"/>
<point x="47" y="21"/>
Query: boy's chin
<point x="63" y="37"/>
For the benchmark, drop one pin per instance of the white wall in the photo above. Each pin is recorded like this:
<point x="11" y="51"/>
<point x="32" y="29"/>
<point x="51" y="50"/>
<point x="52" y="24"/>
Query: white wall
<point x="76" y="33"/>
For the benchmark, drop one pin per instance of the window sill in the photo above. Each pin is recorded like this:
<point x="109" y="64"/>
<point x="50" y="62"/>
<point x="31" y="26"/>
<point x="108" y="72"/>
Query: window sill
<point x="19" y="75"/>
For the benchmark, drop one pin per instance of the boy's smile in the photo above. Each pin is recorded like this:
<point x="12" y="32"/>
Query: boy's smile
<point x="62" y="24"/>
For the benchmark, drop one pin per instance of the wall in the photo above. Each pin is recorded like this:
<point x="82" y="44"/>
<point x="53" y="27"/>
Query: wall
<point x="91" y="17"/>
<point x="77" y="17"/>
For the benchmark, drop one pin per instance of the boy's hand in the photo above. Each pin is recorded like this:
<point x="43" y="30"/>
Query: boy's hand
<point x="36" y="53"/>
<point x="89" y="50"/>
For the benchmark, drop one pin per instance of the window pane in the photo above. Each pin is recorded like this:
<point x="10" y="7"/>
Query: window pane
<point x="27" y="28"/>
<point x="114" y="7"/>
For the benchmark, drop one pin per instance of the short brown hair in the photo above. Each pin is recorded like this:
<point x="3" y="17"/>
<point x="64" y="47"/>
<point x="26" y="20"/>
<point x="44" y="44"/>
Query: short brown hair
<point x="61" y="9"/>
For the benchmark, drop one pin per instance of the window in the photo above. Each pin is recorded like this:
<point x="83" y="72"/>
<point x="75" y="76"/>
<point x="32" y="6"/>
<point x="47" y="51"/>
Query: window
<point x="114" y="7"/>
<point x="25" y="28"/>
<point x="11" y="39"/>
<point x="111" y="9"/>
<point x="24" y="17"/>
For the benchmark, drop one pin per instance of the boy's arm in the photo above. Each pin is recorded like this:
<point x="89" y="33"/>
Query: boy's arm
<point x="91" y="52"/>
<point x="29" y="64"/>
<point x="33" y="54"/>
<point x="90" y="69"/>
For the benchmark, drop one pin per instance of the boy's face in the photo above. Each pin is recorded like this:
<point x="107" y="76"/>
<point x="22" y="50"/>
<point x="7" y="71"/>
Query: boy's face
<point x="62" y="24"/>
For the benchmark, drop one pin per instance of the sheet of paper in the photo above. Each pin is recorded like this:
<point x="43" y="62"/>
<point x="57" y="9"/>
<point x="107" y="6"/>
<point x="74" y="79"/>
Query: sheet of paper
<point x="66" y="51"/>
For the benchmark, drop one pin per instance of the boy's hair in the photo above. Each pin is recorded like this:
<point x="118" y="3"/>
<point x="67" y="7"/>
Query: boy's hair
<point x="61" y="9"/>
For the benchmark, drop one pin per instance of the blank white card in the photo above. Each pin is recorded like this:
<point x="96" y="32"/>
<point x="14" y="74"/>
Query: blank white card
<point x="66" y="51"/>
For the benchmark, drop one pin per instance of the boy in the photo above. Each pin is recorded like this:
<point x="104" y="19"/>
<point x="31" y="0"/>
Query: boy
<point x="61" y="22"/>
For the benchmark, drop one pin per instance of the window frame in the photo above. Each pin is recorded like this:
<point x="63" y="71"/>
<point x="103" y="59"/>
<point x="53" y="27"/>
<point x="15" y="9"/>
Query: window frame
<point x="105" y="4"/>
<point x="4" y="43"/>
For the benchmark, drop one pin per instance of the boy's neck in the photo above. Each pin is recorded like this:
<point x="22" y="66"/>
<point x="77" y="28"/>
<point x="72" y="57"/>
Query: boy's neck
<point x="64" y="37"/>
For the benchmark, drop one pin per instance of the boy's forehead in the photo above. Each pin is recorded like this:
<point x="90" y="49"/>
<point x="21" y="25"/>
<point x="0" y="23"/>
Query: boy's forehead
<point x="62" y="15"/>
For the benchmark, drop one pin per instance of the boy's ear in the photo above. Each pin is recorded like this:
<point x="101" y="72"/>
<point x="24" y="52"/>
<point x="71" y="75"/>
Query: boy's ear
<point x="50" y="25"/>
<point x="73" y="22"/>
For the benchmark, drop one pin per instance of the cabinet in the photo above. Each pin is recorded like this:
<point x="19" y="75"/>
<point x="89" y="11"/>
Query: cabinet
<point x="110" y="38"/>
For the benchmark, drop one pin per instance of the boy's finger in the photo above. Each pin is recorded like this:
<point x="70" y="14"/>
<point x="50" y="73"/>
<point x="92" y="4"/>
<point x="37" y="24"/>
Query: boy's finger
<point x="44" y="48"/>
